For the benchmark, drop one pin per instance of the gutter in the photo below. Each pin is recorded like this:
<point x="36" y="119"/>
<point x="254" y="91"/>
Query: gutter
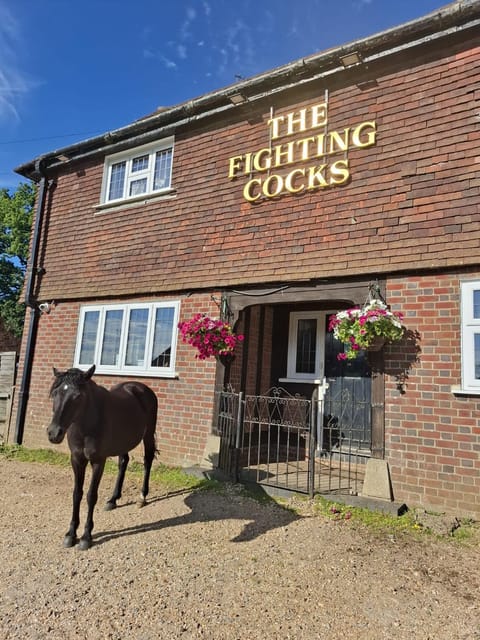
<point x="453" y="18"/>
<point x="31" y="302"/>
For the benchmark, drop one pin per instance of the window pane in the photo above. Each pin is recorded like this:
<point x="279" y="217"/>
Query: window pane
<point x="137" y="337"/>
<point x="111" y="337"/>
<point x="89" y="337"/>
<point x="138" y="187"/>
<point x="117" y="179"/>
<point x="163" y="167"/>
<point x="306" y="345"/>
<point x="140" y="163"/>
<point x="477" y="355"/>
<point x="476" y="304"/>
<point x="162" y="341"/>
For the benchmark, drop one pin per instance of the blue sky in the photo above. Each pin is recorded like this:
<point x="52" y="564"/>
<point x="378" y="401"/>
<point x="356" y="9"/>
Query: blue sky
<point x="72" y="69"/>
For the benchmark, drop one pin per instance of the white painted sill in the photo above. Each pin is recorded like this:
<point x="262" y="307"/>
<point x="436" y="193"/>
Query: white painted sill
<point x="134" y="202"/>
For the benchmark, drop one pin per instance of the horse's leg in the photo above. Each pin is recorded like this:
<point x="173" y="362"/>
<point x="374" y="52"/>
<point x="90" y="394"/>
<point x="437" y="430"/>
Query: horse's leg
<point x="92" y="495"/>
<point x="117" y="492"/>
<point x="79" y="464"/>
<point x="150" y="449"/>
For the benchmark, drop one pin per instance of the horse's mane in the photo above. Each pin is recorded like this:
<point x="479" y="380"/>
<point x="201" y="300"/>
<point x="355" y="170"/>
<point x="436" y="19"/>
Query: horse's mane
<point x="75" y="377"/>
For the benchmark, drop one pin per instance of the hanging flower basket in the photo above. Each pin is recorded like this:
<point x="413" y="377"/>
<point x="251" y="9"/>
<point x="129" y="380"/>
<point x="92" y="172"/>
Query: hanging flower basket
<point x="209" y="336"/>
<point x="377" y="344"/>
<point x="366" y="328"/>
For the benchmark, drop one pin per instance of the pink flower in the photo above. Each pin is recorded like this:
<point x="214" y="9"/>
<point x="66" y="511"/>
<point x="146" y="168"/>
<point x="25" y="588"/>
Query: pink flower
<point x="210" y="337"/>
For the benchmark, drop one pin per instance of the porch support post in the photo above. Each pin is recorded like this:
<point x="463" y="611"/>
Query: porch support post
<point x="378" y="404"/>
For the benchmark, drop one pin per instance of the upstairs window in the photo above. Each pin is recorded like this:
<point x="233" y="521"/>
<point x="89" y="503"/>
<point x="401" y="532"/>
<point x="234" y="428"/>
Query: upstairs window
<point x="470" y="292"/>
<point x="139" y="172"/>
<point x="128" y="338"/>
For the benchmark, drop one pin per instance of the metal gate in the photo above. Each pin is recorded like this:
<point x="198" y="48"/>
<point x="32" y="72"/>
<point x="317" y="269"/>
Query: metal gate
<point x="293" y="443"/>
<point x="8" y="362"/>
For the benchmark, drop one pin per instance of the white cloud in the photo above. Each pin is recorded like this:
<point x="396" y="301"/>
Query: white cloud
<point x="182" y="51"/>
<point x="168" y="63"/>
<point x="185" y="33"/>
<point x="360" y="4"/>
<point x="14" y="84"/>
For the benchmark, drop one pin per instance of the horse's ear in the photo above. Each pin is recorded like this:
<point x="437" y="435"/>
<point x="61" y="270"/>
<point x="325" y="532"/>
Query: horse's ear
<point x="56" y="372"/>
<point x="90" y="372"/>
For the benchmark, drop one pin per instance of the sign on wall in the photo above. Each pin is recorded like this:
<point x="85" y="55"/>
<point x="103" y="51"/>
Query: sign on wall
<point x="300" y="157"/>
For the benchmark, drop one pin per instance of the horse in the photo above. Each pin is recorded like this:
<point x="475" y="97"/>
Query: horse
<point x="100" y="423"/>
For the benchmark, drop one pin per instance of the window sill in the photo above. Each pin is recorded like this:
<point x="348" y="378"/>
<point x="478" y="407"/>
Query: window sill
<point x="173" y="375"/>
<point x="301" y="380"/>
<point x="458" y="391"/>
<point x="134" y="202"/>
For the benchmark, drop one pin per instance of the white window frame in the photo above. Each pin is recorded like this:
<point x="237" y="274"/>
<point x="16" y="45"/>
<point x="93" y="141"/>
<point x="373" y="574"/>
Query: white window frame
<point x="130" y="176"/>
<point x="470" y="327"/>
<point x="121" y="368"/>
<point x="295" y="317"/>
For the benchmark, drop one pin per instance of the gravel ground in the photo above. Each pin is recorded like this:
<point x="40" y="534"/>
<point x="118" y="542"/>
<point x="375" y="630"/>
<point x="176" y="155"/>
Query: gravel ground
<point x="220" y="567"/>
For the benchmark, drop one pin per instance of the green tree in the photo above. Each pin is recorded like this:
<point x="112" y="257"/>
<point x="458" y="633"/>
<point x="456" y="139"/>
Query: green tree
<point x="16" y="210"/>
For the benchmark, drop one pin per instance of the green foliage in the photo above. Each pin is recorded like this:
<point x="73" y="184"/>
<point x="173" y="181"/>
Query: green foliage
<point x="15" y="225"/>
<point x="48" y="456"/>
<point x="168" y="478"/>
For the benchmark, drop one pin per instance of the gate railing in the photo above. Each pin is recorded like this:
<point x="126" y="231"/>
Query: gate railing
<point x="276" y="440"/>
<point x="287" y="442"/>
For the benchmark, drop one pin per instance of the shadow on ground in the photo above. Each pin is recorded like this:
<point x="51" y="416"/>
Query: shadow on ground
<point x="209" y="506"/>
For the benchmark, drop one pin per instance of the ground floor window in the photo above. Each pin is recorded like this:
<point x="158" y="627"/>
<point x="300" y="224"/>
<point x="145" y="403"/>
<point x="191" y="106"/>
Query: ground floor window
<point x="128" y="338"/>
<point x="470" y="296"/>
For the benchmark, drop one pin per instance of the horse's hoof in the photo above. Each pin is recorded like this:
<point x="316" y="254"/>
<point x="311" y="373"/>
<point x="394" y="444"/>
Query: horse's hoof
<point x="84" y="544"/>
<point x="69" y="541"/>
<point x="141" y="503"/>
<point x="109" y="506"/>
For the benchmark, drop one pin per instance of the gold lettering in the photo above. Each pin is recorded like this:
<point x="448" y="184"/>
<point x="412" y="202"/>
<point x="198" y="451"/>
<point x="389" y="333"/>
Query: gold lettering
<point x="340" y="172"/>
<point x="257" y="160"/>
<point x="294" y="119"/>
<point x="274" y="124"/>
<point x="277" y="190"/>
<point x="290" y="179"/>
<point x="248" y="188"/>
<point x="235" y="165"/>
<point x="248" y="163"/>
<point x="316" y="178"/>
<point x="304" y="147"/>
<point x="370" y="134"/>
<point x="321" y="145"/>
<point x="337" y="141"/>
<point x="280" y="152"/>
<point x="319" y="115"/>
<point x="314" y="147"/>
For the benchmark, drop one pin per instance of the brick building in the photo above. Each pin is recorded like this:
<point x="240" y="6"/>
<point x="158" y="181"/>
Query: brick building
<point x="278" y="201"/>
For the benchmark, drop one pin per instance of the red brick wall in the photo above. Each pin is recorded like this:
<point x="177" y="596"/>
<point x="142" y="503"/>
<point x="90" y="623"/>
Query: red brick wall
<point x="185" y="404"/>
<point x="411" y="201"/>
<point x="432" y="435"/>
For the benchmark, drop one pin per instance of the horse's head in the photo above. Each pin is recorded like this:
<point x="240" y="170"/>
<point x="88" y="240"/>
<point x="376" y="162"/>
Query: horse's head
<point x="68" y="395"/>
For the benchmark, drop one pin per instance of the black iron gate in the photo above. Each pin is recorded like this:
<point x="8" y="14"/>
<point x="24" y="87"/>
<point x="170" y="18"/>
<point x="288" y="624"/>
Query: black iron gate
<point x="316" y="445"/>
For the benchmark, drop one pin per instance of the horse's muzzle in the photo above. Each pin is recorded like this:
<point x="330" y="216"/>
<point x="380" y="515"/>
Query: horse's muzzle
<point x="55" y="434"/>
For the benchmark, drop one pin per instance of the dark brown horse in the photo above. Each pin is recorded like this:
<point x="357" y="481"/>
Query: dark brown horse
<point x="98" y="424"/>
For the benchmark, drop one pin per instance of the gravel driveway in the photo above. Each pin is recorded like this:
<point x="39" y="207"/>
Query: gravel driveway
<point x="220" y="567"/>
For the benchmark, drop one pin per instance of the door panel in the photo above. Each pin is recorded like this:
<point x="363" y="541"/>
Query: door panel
<point x="347" y="406"/>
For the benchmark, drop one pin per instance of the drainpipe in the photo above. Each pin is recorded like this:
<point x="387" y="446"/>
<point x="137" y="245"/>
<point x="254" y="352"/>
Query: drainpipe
<point x="31" y="303"/>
